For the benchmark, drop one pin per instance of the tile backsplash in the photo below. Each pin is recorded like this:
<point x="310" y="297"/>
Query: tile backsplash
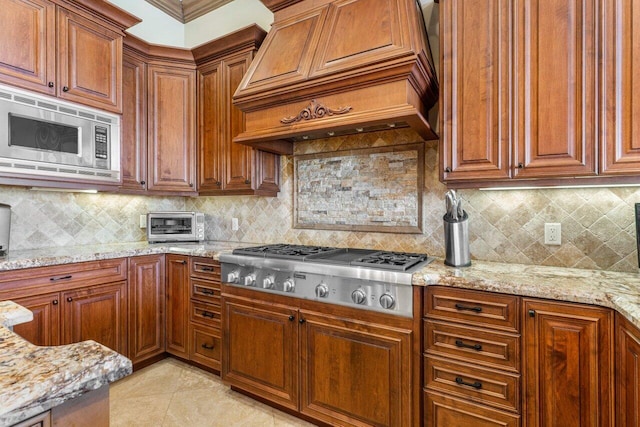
<point x="598" y="228"/>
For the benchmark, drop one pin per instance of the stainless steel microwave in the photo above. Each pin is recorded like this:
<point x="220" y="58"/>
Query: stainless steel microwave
<point x="41" y="135"/>
<point x="175" y="227"/>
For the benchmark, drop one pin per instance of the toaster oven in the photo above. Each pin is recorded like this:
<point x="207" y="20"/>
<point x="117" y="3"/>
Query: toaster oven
<point x="175" y="227"/>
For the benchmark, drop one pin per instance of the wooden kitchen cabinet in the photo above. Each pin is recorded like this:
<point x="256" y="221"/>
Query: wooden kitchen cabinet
<point x="177" y="294"/>
<point x="147" y="305"/>
<point x="171" y="129"/>
<point x="627" y="373"/>
<point x="44" y="329"/>
<point x="74" y="54"/>
<point x="567" y="364"/>
<point x="444" y="411"/>
<point x="224" y="166"/>
<point x="96" y="313"/>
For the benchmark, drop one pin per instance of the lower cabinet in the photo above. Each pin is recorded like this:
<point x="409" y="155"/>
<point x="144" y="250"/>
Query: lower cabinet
<point x="445" y="411"/>
<point x="627" y="373"/>
<point x="177" y="295"/>
<point x="324" y="364"/>
<point x="96" y="313"/>
<point x="44" y="329"/>
<point x="147" y="305"/>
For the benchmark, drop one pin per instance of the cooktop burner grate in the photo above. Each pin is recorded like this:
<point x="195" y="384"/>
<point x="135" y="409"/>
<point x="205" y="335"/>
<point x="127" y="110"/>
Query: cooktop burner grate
<point x="390" y="260"/>
<point x="284" y="251"/>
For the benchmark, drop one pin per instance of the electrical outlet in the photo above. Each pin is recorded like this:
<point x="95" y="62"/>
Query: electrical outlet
<point x="234" y="224"/>
<point x="143" y="221"/>
<point x="552" y="233"/>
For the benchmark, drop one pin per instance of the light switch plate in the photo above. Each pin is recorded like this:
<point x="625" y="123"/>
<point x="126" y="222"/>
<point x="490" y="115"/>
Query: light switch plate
<point x="143" y="221"/>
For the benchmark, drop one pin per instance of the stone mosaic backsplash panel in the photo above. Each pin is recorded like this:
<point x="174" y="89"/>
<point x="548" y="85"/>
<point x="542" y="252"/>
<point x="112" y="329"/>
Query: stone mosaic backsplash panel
<point x="366" y="189"/>
<point x="506" y="226"/>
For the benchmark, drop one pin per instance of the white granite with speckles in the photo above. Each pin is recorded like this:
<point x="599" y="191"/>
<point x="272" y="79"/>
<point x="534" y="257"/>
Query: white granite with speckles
<point x="34" y="379"/>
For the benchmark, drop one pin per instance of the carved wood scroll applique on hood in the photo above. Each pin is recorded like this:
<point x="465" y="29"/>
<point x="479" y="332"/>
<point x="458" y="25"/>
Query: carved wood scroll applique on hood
<point x="337" y="67"/>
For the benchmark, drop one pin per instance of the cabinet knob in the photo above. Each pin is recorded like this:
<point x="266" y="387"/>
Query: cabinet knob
<point x="54" y="302"/>
<point x="218" y="183"/>
<point x="183" y="262"/>
<point x="447" y="169"/>
<point x="520" y="166"/>
<point x="50" y="84"/>
<point x="69" y="299"/>
<point x="65" y="89"/>
<point x="301" y="320"/>
<point x="532" y="313"/>
<point x="292" y="318"/>
<point x="190" y="185"/>
<point x="143" y="182"/>
<point x="247" y="181"/>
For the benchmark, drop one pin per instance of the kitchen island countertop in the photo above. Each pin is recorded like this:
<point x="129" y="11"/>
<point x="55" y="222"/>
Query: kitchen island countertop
<point x="35" y="379"/>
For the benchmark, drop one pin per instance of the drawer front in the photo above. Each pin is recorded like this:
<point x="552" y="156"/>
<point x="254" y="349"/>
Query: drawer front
<point x="474" y="308"/>
<point x="484" y="386"/>
<point x="204" y="314"/>
<point x="492" y="349"/>
<point x="205" y="291"/>
<point x="206" y="346"/>
<point x="441" y="411"/>
<point x="205" y="268"/>
<point x="82" y="274"/>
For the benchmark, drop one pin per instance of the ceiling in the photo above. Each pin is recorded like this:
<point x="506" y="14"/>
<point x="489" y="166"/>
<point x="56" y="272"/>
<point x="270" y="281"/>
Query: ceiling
<point x="187" y="10"/>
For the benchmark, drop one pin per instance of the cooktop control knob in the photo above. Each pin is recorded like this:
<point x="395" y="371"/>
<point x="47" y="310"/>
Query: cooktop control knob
<point x="359" y="296"/>
<point x="387" y="301"/>
<point x="267" y="282"/>
<point x="289" y="285"/>
<point x="250" y="279"/>
<point x="233" y="277"/>
<point x="322" y="291"/>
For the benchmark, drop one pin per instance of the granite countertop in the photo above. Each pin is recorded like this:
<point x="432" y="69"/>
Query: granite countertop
<point x="620" y="291"/>
<point x="35" y="379"/>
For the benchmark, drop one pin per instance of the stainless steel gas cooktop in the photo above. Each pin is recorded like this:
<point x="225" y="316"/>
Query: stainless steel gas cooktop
<point x="363" y="278"/>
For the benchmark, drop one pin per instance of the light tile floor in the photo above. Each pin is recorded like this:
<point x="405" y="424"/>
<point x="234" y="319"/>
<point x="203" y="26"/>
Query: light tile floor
<point x="171" y="393"/>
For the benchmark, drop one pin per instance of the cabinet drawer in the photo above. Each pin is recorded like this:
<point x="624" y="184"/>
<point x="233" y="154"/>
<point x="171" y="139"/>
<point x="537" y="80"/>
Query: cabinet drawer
<point x="205" y="268"/>
<point x="441" y="411"/>
<point x="205" y="291"/>
<point x="21" y="282"/>
<point x="474" y="308"/>
<point x="488" y="387"/>
<point x="204" y="314"/>
<point x="205" y="346"/>
<point x="492" y="349"/>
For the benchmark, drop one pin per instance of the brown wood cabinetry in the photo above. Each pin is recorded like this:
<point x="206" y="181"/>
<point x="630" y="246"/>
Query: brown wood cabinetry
<point x="177" y="294"/>
<point x="627" y="373"/>
<point x="75" y="54"/>
<point x="224" y="166"/>
<point x="205" y="346"/>
<point x="159" y="120"/>
<point x="321" y="361"/>
<point x="567" y="364"/>
<point x="147" y="304"/>
<point x="44" y="329"/>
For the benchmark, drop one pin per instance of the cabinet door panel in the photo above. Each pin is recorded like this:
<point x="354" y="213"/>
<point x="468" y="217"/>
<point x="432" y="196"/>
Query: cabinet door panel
<point x="171" y="136"/>
<point x="97" y="313"/>
<point x="27" y="53"/>
<point x="177" y="288"/>
<point x="146" y="307"/>
<point x="90" y="62"/>
<point x="261" y="350"/>
<point x="627" y="373"/>
<point x="555" y="78"/>
<point x="210" y="127"/>
<point x="475" y="89"/>
<point x="620" y="152"/>
<point x="567" y="365"/>
<point x="337" y="354"/>
<point x="44" y="329"/>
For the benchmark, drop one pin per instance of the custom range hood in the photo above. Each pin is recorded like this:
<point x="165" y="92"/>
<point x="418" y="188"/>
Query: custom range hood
<point x="337" y="67"/>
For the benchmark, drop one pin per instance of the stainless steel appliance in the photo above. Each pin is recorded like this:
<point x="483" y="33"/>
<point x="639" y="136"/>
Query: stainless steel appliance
<point x="5" y="228"/>
<point x="46" y="136"/>
<point x="360" y="278"/>
<point x="175" y="226"/>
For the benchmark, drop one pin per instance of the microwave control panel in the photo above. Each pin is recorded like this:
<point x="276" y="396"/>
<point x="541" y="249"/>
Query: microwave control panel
<point x="101" y="139"/>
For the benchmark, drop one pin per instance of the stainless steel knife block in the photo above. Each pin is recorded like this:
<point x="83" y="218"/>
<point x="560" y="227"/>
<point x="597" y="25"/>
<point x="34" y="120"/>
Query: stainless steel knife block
<point x="456" y="242"/>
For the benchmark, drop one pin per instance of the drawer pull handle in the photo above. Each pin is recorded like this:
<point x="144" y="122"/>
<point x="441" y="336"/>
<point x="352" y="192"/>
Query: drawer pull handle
<point x="207" y="346"/>
<point x="207" y="268"/>
<point x="55" y="279"/>
<point x="207" y="291"/>
<point x="477" y="384"/>
<point x="208" y="314"/>
<point x="462" y="344"/>
<point x="467" y="308"/>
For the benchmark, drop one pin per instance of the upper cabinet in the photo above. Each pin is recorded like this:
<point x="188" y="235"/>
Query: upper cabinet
<point x="521" y="92"/>
<point x="72" y="52"/>
<point x="225" y="167"/>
